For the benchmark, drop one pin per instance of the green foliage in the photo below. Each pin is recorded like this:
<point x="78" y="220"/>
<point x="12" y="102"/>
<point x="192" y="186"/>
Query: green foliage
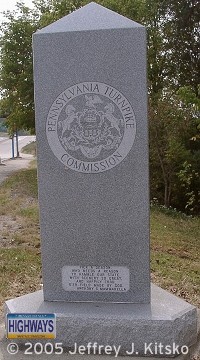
<point x="16" y="79"/>
<point x="191" y="101"/>
<point x="16" y="73"/>
<point x="189" y="179"/>
<point x="183" y="42"/>
<point x="173" y="160"/>
<point x="133" y="9"/>
<point x="52" y="10"/>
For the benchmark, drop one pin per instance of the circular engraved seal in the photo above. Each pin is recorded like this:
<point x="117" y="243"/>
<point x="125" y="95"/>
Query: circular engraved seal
<point x="91" y="127"/>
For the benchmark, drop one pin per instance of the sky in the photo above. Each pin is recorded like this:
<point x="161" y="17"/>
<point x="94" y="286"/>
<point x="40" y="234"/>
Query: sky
<point x="10" y="5"/>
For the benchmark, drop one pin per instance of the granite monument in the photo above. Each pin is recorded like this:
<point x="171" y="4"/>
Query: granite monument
<point x="92" y="137"/>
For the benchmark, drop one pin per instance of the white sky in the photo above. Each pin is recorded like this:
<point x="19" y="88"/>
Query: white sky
<point x="10" y="5"/>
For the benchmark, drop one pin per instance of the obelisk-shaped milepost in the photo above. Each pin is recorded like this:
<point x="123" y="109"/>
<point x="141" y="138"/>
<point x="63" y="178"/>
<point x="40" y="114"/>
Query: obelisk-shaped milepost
<point x="91" y="121"/>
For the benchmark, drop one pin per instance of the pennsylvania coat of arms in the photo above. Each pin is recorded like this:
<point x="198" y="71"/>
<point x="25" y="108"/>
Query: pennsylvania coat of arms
<point x="91" y="127"/>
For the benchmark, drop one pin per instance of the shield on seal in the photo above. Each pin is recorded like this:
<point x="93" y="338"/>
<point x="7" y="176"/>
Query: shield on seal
<point x="90" y="120"/>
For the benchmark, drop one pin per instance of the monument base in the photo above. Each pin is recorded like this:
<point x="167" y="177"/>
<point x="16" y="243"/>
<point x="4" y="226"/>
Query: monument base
<point x="166" y="328"/>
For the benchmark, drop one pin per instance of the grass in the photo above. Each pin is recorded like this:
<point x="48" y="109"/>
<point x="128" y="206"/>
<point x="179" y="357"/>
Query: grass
<point x="175" y="243"/>
<point x="30" y="148"/>
<point x="20" y="262"/>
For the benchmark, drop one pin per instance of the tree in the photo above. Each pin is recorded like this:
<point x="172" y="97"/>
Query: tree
<point x="16" y="72"/>
<point x="133" y="9"/>
<point x="183" y="42"/>
<point x="189" y="175"/>
<point x="173" y="68"/>
<point x="169" y="130"/>
<point x="173" y="83"/>
<point x="16" y="68"/>
<point x="52" y="10"/>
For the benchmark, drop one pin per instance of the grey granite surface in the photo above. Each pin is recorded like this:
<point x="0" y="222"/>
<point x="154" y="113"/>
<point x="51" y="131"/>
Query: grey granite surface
<point x="93" y="219"/>
<point x="89" y="17"/>
<point x="169" y="321"/>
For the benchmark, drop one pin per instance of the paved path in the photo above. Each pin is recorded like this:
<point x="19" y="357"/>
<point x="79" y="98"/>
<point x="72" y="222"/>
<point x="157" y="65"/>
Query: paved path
<point x="6" y="145"/>
<point x="10" y="166"/>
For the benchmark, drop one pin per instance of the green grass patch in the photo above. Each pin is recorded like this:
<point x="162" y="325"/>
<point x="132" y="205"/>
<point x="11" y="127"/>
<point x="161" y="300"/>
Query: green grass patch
<point x="19" y="272"/>
<point x="20" y="260"/>
<point x="30" y="213"/>
<point x="175" y="243"/>
<point x="30" y="148"/>
<point x="14" y="262"/>
<point x="23" y="182"/>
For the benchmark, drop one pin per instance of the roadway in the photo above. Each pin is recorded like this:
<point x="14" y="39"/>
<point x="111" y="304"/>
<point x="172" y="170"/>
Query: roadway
<point x="6" y="145"/>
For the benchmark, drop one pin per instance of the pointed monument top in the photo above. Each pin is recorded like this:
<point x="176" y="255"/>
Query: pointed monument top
<point x="90" y="17"/>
